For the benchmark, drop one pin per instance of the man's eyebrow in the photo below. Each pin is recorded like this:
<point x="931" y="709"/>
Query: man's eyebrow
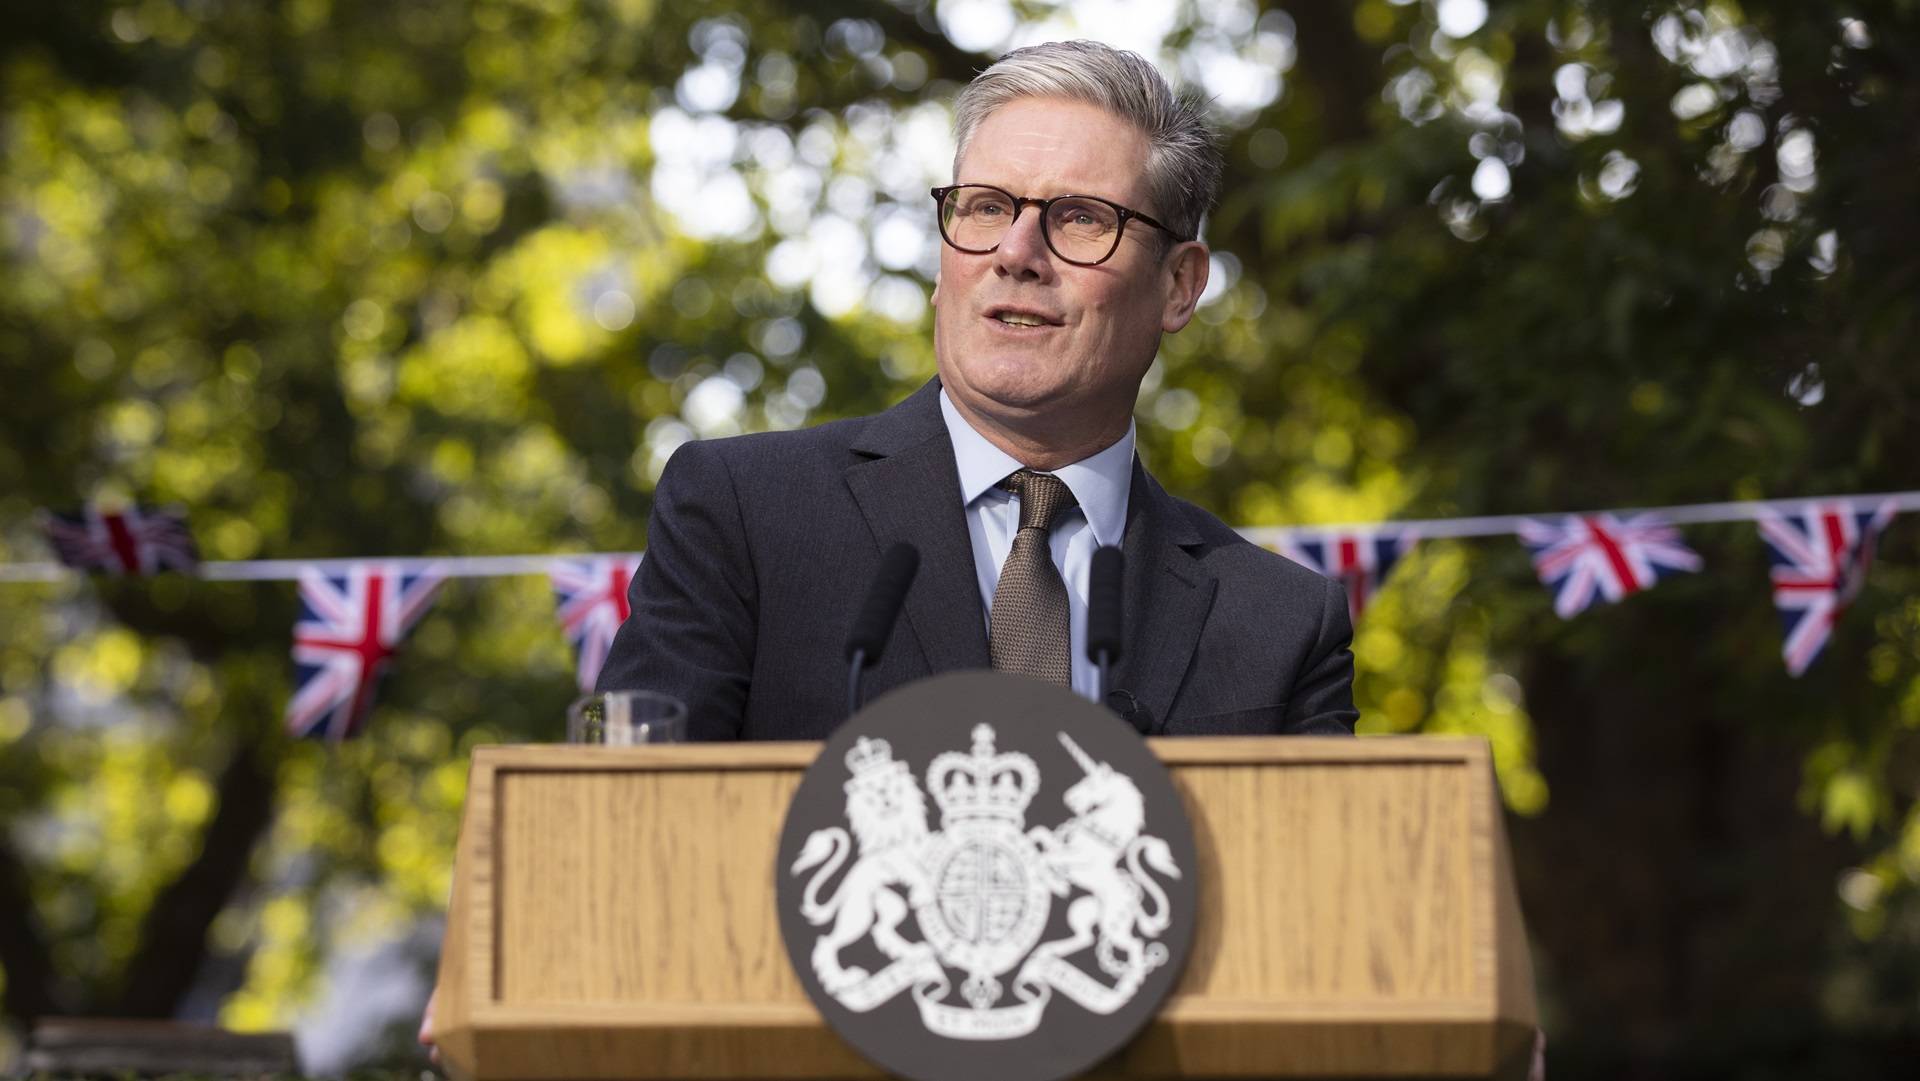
<point x="1062" y="194"/>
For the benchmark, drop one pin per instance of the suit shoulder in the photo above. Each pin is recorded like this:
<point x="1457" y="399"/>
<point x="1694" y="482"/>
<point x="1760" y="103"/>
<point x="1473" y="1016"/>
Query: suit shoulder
<point x="833" y="435"/>
<point x="1224" y="548"/>
<point x="770" y="453"/>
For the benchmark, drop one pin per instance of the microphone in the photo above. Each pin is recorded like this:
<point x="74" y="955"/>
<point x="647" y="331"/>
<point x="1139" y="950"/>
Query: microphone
<point x="1103" y="612"/>
<point x="875" y="623"/>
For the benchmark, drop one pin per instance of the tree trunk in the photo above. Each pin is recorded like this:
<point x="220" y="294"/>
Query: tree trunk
<point x="173" y="936"/>
<point x="30" y="985"/>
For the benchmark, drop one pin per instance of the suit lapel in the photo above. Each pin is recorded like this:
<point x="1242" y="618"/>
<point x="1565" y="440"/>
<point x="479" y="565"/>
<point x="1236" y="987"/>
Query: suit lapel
<point x="1168" y="596"/>
<point x="910" y="491"/>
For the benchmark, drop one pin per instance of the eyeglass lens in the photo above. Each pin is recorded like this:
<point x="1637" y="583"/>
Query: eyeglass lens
<point x="1080" y="230"/>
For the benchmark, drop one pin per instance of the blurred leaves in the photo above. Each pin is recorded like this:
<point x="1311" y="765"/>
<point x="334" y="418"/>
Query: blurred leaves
<point x="351" y="279"/>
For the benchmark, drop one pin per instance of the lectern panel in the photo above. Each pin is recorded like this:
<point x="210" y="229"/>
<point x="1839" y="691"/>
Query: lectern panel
<point x="1339" y="881"/>
<point x="612" y="889"/>
<point x="613" y="918"/>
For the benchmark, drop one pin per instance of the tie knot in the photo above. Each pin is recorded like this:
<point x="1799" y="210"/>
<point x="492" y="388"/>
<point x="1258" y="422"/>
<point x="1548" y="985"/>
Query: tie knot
<point x="1043" y="497"/>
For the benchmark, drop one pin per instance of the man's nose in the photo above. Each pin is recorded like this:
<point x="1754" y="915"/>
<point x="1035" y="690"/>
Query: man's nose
<point x="1023" y="251"/>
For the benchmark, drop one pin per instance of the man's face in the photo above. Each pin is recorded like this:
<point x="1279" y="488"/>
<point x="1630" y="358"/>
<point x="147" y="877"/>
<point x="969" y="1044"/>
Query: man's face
<point x="1025" y="339"/>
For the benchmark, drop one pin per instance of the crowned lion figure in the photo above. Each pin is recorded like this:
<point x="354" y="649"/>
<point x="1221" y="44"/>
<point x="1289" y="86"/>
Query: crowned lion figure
<point x="888" y="814"/>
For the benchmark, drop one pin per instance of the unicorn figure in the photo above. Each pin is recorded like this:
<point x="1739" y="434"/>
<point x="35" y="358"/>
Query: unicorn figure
<point x="1100" y="850"/>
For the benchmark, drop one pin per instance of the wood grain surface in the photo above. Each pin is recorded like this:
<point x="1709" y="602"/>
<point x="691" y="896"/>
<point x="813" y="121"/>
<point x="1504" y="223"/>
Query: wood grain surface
<point x="649" y="908"/>
<point x="613" y="917"/>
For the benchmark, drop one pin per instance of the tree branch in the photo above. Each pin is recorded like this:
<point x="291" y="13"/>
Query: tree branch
<point x="1338" y="71"/>
<point x="173" y="936"/>
<point x="919" y="30"/>
<point x="30" y="983"/>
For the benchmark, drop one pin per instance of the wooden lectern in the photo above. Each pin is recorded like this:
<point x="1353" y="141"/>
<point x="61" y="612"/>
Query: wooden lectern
<point x="613" y="917"/>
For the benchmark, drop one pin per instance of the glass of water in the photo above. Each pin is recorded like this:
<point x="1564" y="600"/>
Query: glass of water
<point x="626" y="718"/>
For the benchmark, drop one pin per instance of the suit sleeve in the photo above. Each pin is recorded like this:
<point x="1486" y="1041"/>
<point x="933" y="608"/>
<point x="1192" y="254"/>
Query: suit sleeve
<point x="1322" y="700"/>
<point x="694" y="603"/>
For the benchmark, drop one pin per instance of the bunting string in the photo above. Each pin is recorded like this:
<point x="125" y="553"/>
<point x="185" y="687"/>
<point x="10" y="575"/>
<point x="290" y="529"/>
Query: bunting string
<point x="289" y="570"/>
<point x="355" y="613"/>
<point x="1500" y="525"/>
<point x="1272" y="537"/>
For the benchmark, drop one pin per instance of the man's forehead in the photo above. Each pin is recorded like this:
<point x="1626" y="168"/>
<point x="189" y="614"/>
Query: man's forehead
<point x="1036" y="131"/>
<point x="1100" y="121"/>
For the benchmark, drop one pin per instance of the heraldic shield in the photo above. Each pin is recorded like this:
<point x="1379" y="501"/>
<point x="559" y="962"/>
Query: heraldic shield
<point x="984" y="875"/>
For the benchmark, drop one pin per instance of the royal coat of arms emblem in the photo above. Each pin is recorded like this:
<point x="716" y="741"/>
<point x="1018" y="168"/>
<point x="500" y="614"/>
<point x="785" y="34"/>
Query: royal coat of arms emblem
<point x="980" y="890"/>
<point x="986" y="876"/>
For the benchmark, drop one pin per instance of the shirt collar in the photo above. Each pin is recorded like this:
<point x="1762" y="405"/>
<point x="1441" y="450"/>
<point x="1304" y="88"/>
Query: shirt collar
<point x="1101" y="483"/>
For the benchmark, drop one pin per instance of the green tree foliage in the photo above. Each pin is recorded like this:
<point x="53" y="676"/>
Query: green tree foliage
<point x="350" y="278"/>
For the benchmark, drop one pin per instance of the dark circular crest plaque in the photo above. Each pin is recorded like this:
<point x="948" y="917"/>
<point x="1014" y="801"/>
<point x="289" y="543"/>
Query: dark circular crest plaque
<point x="986" y="876"/>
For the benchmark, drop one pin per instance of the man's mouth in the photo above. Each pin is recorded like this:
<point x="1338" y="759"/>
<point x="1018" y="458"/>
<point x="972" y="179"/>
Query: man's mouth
<point x="1019" y="319"/>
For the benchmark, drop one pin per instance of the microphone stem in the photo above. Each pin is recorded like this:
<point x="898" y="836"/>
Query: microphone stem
<point x="853" y="681"/>
<point x="1104" y="682"/>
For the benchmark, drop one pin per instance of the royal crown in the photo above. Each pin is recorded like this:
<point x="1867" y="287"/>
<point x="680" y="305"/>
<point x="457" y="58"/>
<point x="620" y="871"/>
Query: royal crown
<point x="869" y="755"/>
<point x="983" y="784"/>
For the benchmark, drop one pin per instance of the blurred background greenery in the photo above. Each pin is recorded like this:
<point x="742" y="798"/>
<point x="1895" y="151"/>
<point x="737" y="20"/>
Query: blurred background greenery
<point x="355" y="278"/>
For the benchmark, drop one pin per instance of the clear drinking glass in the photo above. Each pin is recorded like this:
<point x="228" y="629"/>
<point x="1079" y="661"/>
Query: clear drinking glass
<point x="625" y="718"/>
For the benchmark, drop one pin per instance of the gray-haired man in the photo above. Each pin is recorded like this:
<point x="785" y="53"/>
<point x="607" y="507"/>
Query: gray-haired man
<point x="1072" y="245"/>
<point x="1048" y="310"/>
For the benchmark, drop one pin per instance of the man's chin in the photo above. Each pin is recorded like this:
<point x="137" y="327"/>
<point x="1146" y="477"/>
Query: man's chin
<point x="1020" y="383"/>
<point x="1013" y="401"/>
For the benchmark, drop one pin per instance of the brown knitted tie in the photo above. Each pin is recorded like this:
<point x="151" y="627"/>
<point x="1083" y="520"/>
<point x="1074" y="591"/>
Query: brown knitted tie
<point x="1027" y="632"/>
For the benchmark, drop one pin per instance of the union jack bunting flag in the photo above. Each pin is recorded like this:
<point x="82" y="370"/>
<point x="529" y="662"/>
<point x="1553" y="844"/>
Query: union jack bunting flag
<point x="592" y="599"/>
<point x="1360" y="560"/>
<point x="1820" y="560"/>
<point x="132" y="541"/>
<point x="351" y="625"/>
<point x="1598" y="555"/>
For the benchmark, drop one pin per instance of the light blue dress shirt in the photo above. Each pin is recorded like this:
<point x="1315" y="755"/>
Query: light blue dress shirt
<point x="1101" y="484"/>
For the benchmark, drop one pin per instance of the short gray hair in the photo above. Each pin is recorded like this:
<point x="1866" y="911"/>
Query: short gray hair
<point x="1184" y="166"/>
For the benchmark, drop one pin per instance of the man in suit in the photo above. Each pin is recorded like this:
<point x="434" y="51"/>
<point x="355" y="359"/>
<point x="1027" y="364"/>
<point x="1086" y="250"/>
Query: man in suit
<point x="1071" y="246"/>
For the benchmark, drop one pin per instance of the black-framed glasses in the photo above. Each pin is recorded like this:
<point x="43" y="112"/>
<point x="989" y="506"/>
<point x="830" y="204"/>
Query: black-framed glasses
<point x="1082" y="229"/>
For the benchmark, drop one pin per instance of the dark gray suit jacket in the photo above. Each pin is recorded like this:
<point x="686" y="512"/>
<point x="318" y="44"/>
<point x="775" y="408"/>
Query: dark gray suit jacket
<point x="761" y="548"/>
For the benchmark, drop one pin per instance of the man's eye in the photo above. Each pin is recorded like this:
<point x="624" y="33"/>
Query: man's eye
<point x="989" y="209"/>
<point x="1081" y="216"/>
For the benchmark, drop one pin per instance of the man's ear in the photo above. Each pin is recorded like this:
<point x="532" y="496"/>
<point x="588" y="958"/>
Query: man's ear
<point x="935" y="299"/>
<point x="1185" y="276"/>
